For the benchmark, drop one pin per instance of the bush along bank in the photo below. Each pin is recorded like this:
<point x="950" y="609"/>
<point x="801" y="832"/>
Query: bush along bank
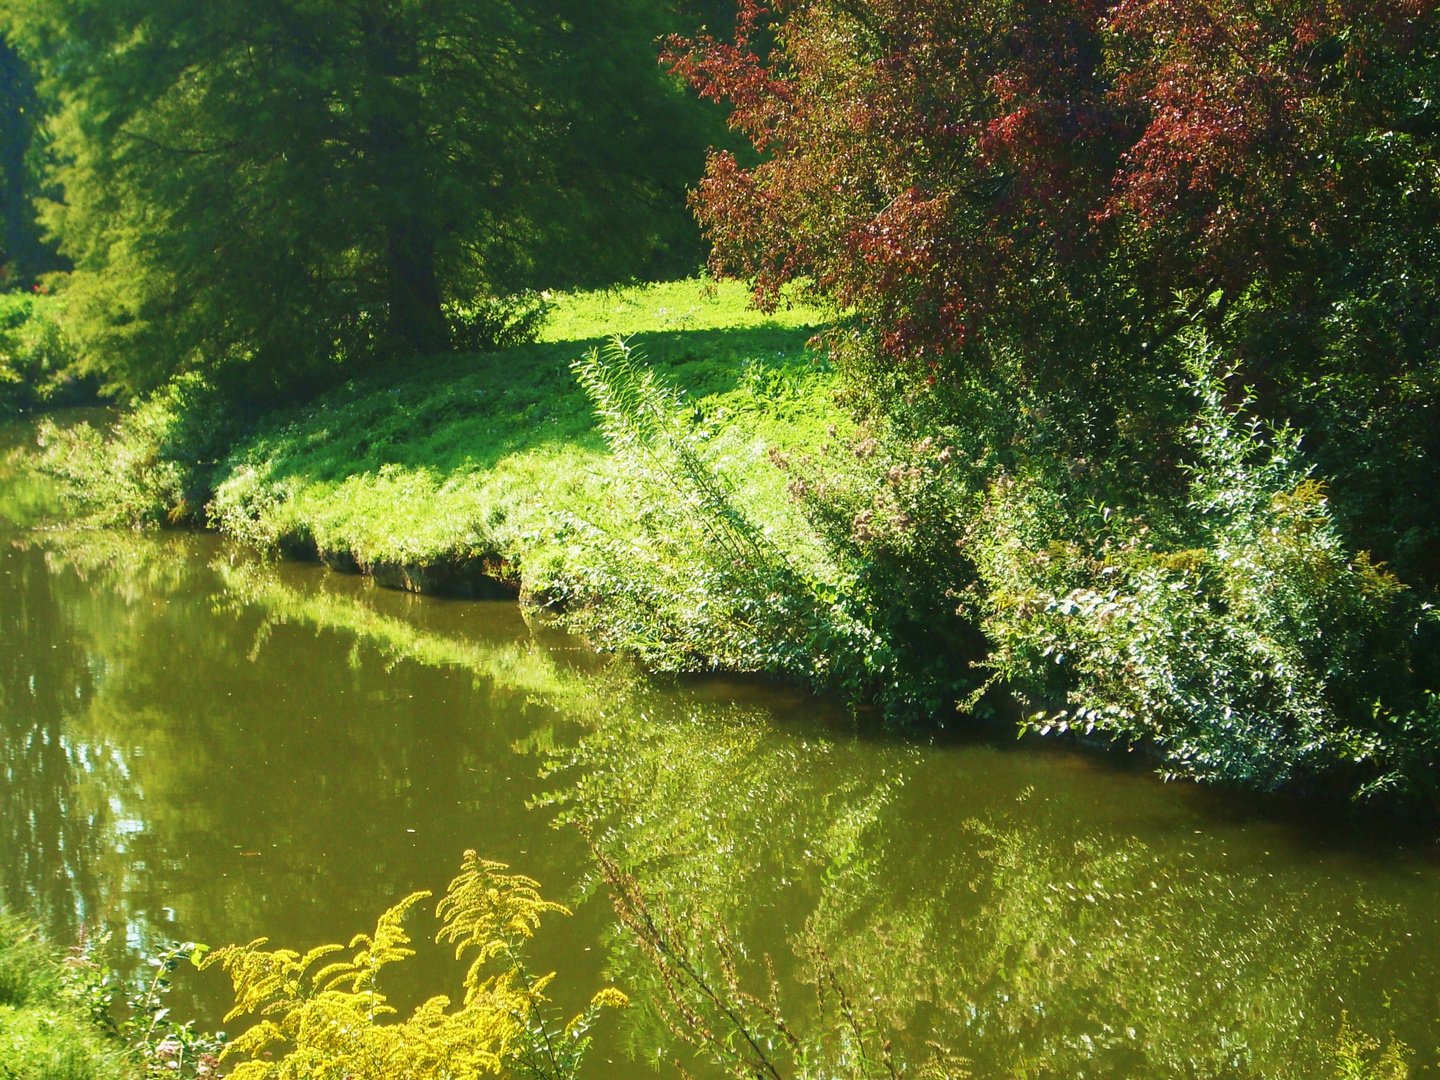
<point x="1230" y="627"/>
<point x="695" y="496"/>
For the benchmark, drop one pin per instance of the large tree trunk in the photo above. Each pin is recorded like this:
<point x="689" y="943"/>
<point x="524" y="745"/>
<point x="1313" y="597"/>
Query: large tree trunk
<point x="416" y="322"/>
<point x="397" y="148"/>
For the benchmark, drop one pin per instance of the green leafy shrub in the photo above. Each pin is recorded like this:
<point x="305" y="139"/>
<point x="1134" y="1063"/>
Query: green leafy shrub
<point x="157" y="1044"/>
<point x="496" y="323"/>
<point x="694" y="582"/>
<point x="844" y="584"/>
<point x="36" y="357"/>
<point x="892" y="505"/>
<point x="1236" y="634"/>
<point x="157" y="464"/>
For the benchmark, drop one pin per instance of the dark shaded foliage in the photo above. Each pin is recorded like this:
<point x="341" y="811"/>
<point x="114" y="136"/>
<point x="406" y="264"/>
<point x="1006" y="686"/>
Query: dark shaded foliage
<point x="24" y="254"/>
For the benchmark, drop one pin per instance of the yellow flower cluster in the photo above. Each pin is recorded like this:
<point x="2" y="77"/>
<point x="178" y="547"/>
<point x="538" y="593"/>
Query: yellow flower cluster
<point x="334" y="1023"/>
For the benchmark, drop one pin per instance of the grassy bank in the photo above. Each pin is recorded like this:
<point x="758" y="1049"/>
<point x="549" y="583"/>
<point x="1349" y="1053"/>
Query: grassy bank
<point x="486" y="472"/>
<point x="46" y="1033"/>
<point x="497" y="461"/>
<point x="492" y="474"/>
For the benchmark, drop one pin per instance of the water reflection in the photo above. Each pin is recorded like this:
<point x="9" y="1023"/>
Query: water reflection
<point x="198" y="744"/>
<point x="55" y="832"/>
<point x="1037" y="915"/>
<point x="192" y="765"/>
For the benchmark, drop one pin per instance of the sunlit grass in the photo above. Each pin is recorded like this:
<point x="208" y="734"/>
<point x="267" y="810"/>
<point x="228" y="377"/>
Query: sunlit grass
<point x="694" y="304"/>
<point x="498" y="455"/>
<point x="43" y="1034"/>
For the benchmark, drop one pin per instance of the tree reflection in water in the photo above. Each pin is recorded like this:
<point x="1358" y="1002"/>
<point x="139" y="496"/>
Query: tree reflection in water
<point x="55" y="835"/>
<point x="1030" y="911"/>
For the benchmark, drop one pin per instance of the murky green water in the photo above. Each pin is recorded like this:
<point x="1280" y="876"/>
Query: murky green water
<point x="198" y="745"/>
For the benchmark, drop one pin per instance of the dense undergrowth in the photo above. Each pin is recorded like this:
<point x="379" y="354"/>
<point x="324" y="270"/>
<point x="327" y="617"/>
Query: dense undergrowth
<point x="696" y="494"/>
<point x="1230" y="626"/>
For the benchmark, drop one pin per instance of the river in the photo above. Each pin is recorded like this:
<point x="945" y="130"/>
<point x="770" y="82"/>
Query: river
<point x="200" y="744"/>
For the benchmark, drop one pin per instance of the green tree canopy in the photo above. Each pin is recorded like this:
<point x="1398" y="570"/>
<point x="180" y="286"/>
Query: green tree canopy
<point x="262" y="186"/>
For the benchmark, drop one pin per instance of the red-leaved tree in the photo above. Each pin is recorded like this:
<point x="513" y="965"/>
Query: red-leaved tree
<point x="951" y="168"/>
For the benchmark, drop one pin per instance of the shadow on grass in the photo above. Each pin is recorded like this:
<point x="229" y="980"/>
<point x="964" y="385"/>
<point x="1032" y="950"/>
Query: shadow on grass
<point x="465" y="413"/>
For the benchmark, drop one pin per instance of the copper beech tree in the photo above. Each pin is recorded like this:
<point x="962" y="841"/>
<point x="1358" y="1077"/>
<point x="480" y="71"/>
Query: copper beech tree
<point x="951" y="169"/>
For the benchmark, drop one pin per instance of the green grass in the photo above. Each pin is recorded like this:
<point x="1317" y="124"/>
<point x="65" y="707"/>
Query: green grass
<point x="497" y="457"/>
<point x="670" y="306"/>
<point x="44" y="1034"/>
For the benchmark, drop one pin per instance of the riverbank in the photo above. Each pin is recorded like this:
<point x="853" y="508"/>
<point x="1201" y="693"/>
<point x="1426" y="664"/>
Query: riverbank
<point x="670" y="474"/>
<point x="46" y="1031"/>
<point x="477" y="475"/>
<point x="490" y="475"/>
